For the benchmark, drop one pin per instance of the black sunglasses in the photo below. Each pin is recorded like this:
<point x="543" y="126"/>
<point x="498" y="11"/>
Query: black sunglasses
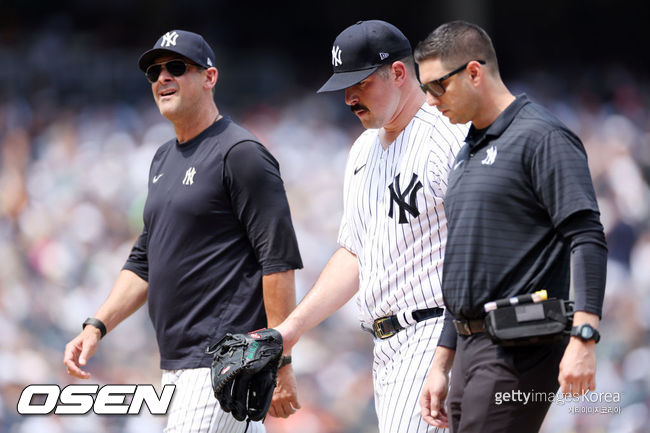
<point x="436" y="88"/>
<point x="175" y="67"/>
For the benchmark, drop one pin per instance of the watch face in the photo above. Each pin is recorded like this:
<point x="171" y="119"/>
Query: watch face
<point x="586" y="332"/>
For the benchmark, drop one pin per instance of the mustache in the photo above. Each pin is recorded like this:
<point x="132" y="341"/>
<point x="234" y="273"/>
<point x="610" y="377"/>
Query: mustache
<point x="356" y="107"/>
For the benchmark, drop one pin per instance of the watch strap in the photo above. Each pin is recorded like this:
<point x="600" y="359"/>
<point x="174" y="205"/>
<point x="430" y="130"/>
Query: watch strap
<point x="96" y="323"/>
<point x="286" y="359"/>
<point x="576" y="332"/>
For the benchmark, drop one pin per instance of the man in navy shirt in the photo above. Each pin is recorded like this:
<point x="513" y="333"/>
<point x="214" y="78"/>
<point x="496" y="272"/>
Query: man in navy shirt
<point x="218" y="249"/>
<point x="521" y="209"/>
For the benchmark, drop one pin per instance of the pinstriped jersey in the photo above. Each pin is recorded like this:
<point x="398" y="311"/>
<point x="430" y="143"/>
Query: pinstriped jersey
<point x="393" y="217"/>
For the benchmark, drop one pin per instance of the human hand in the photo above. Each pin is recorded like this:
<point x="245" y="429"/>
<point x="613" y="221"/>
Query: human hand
<point x="432" y="399"/>
<point x="578" y="367"/>
<point x="285" y="395"/>
<point x="79" y="350"/>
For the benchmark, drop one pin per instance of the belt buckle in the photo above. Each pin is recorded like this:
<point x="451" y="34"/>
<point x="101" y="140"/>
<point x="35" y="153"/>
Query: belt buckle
<point x="382" y="333"/>
<point x="463" y="325"/>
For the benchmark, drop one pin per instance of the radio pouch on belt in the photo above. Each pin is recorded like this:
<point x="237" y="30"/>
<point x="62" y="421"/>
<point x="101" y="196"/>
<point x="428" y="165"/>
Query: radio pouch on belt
<point x="532" y="323"/>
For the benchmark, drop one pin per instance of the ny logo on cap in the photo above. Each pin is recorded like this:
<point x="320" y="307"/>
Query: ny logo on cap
<point x="336" y="55"/>
<point x="383" y="56"/>
<point x="169" y="39"/>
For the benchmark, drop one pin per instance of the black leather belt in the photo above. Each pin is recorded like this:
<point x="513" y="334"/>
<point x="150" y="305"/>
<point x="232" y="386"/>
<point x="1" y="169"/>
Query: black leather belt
<point x="386" y="327"/>
<point x="469" y="327"/>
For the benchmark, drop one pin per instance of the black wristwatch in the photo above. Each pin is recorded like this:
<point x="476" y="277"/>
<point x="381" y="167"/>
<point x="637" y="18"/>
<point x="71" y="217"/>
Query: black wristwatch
<point x="586" y="332"/>
<point x="97" y="324"/>
<point x="286" y="359"/>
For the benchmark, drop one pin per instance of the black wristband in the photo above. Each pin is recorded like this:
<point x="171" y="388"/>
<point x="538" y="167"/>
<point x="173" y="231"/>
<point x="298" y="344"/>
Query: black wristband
<point x="96" y="323"/>
<point x="286" y="359"/>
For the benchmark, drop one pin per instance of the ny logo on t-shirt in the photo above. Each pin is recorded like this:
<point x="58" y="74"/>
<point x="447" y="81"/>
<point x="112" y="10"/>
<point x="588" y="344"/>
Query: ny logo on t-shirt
<point x="189" y="176"/>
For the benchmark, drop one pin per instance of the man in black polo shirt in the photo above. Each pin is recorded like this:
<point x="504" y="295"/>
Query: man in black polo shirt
<point x="217" y="251"/>
<point x="521" y="209"/>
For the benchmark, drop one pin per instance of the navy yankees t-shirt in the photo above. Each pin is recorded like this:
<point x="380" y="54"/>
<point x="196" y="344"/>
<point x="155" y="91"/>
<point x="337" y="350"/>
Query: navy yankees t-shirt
<point x="216" y="219"/>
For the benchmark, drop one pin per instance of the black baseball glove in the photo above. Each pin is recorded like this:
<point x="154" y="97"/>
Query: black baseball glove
<point x="244" y="372"/>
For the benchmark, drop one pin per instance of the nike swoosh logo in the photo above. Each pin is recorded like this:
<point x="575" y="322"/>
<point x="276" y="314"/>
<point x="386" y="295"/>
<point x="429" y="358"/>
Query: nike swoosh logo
<point x="155" y="178"/>
<point x="356" y="170"/>
<point x="458" y="164"/>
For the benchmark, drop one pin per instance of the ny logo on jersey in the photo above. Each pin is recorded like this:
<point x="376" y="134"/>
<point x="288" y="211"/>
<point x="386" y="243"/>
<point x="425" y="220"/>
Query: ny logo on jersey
<point x="336" y="55"/>
<point x="169" y="39"/>
<point x="397" y="196"/>
<point x="491" y="156"/>
<point x="189" y="176"/>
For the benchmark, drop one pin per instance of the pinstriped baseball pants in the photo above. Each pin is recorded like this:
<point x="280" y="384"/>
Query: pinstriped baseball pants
<point x="401" y="365"/>
<point x="194" y="409"/>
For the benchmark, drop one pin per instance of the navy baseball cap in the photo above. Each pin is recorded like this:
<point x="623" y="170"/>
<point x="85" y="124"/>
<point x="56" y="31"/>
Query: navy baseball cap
<point x="362" y="48"/>
<point x="187" y="44"/>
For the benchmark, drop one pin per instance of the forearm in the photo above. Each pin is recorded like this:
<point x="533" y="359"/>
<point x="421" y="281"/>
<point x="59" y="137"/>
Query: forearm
<point x="582" y="317"/>
<point x="443" y="359"/>
<point x="448" y="334"/>
<point x="279" y="296"/>
<point x="589" y="268"/>
<point x="336" y="285"/>
<point x="127" y="295"/>
<point x="585" y="234"/>
<point x="578" y="366"/>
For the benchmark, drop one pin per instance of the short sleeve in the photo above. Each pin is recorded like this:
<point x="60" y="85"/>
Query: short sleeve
<point x="137" y="261"/>
<point x="345" y="236"/>
<point x="259" y="201"/>
<point x="560" y="176"/>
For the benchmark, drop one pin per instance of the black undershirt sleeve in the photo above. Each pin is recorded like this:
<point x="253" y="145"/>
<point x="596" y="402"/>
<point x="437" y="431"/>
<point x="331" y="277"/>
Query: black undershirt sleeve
<point x="448" y="335"/>
<point x="588" y="259"/>
<point x="259" y="201"/>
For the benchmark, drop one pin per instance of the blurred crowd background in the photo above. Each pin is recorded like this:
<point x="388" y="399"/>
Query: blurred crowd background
<point x="78" y="128"/>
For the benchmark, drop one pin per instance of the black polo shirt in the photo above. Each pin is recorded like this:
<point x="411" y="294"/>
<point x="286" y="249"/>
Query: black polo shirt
<point x="511" y="186"/>
<point x="216" y="219"/>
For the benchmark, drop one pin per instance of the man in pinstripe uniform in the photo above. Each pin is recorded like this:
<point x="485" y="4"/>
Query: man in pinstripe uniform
<point x="217" y="251"/>
<point x="393" y="231"/>
<point x="522" y="216"/>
